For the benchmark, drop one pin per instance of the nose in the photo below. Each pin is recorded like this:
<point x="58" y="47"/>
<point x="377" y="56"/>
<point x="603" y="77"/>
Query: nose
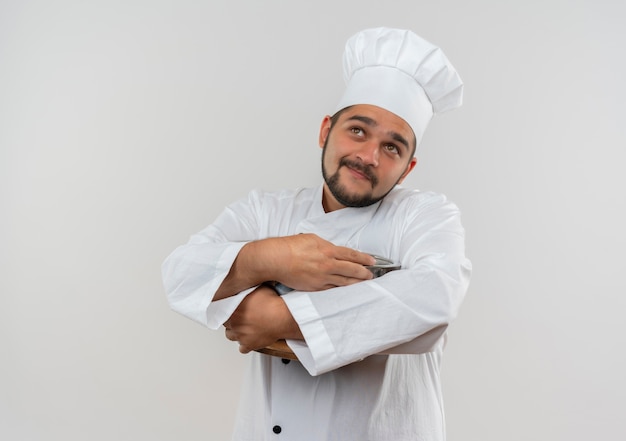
<point x="368" y="153"/>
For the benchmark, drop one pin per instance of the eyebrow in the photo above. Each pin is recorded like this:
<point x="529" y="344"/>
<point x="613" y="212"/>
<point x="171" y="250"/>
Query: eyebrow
<point x="373" y="123"/>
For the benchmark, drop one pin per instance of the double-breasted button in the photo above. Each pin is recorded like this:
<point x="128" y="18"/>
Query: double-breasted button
<point x="277" y="429"/>
<point x="285" y="360"/>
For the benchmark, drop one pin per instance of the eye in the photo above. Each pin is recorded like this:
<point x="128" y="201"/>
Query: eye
<point x="357" y="131"/>
<point x="392" y="148"/>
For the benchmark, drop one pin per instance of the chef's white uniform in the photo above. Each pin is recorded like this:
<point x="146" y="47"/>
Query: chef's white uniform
<point x="369" y="365"/>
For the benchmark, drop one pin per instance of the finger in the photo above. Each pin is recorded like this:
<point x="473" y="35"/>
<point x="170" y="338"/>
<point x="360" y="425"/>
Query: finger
<point x="352" y="270"/>
<point x="351" y="255"/>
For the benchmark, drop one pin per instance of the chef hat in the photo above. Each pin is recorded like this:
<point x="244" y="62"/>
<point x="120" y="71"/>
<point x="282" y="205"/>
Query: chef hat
<point x="400" y="72"/>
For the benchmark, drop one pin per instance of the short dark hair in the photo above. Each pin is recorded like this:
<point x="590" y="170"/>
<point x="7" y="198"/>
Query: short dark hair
<point x="335" y="117"/>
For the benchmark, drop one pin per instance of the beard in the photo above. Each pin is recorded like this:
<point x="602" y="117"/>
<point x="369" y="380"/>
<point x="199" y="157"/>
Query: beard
<point x="339" y="191"/>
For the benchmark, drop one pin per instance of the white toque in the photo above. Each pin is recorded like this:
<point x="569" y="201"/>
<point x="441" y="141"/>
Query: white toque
<point x="401" y="72"/>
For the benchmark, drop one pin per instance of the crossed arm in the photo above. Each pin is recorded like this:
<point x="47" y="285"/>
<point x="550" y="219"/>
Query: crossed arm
<point x="304" y="262"/>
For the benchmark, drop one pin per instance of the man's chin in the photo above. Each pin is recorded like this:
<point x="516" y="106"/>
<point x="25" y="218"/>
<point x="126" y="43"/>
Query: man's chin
<point x="355" y="200"/>
<point x="348" y="191"/>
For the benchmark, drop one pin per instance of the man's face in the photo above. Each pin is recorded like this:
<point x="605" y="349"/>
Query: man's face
<point x="366" y="152"/>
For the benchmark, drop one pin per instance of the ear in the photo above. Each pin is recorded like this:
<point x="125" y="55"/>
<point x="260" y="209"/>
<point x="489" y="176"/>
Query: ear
<point x="324" y="130"/>
<point x="408" y="170"/>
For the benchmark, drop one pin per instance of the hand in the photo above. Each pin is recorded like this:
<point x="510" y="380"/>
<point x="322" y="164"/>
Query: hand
<point x="261" y="319"/>
<point x="307" y="262"/>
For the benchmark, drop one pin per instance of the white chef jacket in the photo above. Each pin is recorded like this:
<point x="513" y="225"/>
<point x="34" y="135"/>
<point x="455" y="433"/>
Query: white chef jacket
<point x="369" y="364"/>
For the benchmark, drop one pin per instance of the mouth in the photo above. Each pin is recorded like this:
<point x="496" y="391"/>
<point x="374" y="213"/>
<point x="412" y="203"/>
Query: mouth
<point x="360" y="172"/>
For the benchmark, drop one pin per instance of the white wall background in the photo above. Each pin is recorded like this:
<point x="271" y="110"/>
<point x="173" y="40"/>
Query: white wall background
<point x="125" y="126"/>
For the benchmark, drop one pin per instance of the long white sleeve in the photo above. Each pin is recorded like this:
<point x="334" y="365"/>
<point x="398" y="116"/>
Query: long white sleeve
<point x="194" y="271"/>
<point x="405" y="311"/>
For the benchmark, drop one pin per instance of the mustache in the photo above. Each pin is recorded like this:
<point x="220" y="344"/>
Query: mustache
<point x="364" y="169"/>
